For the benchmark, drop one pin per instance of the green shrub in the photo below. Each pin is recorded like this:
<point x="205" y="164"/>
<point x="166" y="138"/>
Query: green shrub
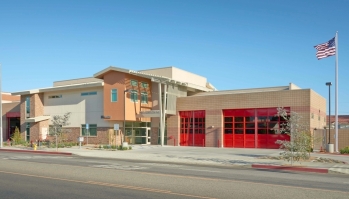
<point x="17" y="138"/>
<point x="130" y="148"/>
<point x="122" y="148"/>
<point x="345" y="150"/>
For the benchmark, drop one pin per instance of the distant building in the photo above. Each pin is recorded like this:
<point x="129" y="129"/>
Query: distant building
<point x="343" y="121"/>
<point x="166" y="105"/>
<point x="10" y="114"/>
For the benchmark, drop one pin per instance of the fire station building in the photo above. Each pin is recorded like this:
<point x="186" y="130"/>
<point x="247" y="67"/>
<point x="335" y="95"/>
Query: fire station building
<point x="167" y="106"/>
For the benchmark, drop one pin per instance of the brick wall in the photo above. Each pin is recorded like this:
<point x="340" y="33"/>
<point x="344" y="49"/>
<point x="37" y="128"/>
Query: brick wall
<point x="72" y="134"/>
<point x="343" y="137"/>
<point x="302" y="101"/>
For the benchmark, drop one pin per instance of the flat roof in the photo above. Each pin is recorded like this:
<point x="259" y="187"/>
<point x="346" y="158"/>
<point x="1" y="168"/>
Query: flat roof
<point x="59" y="88"/>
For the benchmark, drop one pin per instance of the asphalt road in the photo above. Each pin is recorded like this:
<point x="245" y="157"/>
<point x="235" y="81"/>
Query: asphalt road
<point x="54" y="176"/>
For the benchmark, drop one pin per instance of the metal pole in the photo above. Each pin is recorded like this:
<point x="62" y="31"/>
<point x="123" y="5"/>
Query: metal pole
<point x="124" y="131"/>
<point x="164" y="114"/>
<point x="160" y="108"/>
<point x="329" y="113"/>
<point x="1" y="138"/>
<point x="87" y="134"/>
<point x="56" y="138"/>
<point x="336" y="104"/>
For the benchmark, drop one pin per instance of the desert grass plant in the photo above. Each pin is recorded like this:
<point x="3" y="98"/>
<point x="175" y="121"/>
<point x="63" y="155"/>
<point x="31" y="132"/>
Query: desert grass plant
<point x="17" y="138"/>
<point x="300" y="145"/>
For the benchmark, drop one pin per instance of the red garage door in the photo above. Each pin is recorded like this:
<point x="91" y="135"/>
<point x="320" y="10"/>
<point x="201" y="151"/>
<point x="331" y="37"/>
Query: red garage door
<point x="239" y="128"/>
<point x="252" y="128"/>
<point x="192" y="124"/>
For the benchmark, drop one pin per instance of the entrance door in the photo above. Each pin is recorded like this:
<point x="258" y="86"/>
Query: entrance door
<point x="139" y="135"/>
<point x="148" y="136"/>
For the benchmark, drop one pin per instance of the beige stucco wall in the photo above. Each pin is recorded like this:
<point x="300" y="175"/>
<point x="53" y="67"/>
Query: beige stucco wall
<point x="179" y="75"/>
<point x="84" y="109"/>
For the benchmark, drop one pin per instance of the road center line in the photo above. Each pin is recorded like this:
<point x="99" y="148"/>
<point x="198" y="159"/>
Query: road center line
<point x="200" y="170"/>
<point x="109" y="185"/>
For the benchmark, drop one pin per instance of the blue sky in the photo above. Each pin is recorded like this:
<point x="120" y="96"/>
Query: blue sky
<point x="235" y="44"/>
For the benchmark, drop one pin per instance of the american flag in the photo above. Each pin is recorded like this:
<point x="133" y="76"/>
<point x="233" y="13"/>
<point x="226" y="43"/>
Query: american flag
<point x="326" y="49"/>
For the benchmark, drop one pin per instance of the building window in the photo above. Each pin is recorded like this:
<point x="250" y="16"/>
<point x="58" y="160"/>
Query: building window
<point x="92" y="130"/>
<point x="134" y="96"/>
<point x="134" y="83"/>
<point x="27" y="130"/>
<point x="144" y="98"/>
<point x="144" y="85"/>
<point x="54" y="96"/>
<point x="27" y="106"/>
<point x="114" y="95"/>
<point x="89" y="93"/>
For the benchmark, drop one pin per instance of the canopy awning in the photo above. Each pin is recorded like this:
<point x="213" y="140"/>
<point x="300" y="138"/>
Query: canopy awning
<point x="37" y="119"/>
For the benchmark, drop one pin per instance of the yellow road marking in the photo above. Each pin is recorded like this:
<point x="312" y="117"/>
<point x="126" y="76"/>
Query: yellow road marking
<point x="109" y="185"/>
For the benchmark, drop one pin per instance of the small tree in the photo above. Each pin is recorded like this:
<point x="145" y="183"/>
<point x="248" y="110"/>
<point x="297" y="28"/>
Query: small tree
<point x="16" y="137"/>
<point x="57" y="126"/>
<point x="300" y="145"/>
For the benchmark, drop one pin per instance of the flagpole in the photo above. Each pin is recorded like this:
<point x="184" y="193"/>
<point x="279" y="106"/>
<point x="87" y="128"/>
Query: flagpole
<point x="336" y="105"/>
<point x="0" y="109"/>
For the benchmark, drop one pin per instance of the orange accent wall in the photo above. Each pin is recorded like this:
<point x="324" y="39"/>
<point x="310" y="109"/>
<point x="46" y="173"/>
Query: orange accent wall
<point x="121" y="82"/>
<point x="11" y="97"/>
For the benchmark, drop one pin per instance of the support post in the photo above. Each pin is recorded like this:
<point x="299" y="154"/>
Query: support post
<point x="160" y="108"/>
<point x="164" y="114"/>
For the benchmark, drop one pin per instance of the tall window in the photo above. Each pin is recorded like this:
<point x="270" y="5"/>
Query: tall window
<point x="134" y="83"/>
<point x="114" y="95"/>
<point x="27" y="106"/>
<point x="144" y="85"/>
<point x="134" y="96"/>
<point x="92" y="130"/>
<point x="27" y="130"/>
<point x="144" y="97"/>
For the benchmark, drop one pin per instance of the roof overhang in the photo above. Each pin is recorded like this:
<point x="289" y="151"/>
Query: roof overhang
<point x="154" y="78"/>
<point x="37" y="119"/>
<point x="101" y="73"/>
<point x="59" y="88"/>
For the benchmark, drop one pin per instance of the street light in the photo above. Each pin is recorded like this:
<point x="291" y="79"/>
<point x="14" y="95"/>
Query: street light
<point x="125" y="91"/>
<point x="329" y="111"/>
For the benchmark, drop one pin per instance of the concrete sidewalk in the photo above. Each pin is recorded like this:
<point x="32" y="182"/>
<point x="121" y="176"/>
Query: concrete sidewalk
<point x="248" y="158"/>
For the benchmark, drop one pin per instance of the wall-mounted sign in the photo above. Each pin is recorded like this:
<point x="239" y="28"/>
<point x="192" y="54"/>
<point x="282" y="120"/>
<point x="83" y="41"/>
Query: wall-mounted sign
<point x="105" y="117"/>
<point x="152" y="113"/>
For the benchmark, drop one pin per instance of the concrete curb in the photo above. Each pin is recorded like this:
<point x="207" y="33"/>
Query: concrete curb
<point x="290" y="168"/>
<point x="38" y="151"/>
